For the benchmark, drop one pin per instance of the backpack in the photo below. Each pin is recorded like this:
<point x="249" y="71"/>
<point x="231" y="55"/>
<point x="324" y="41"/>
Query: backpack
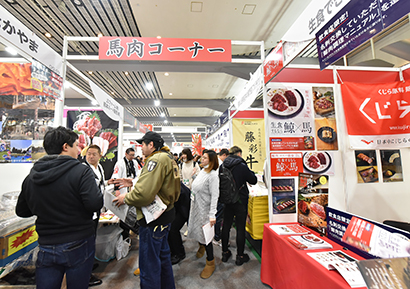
<point x="228" y="192"/>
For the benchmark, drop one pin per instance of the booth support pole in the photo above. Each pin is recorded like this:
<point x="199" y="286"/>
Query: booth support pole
<point x="59" y="105"/>
<point x="120" y="139"/>
<point x="341" y="141"/>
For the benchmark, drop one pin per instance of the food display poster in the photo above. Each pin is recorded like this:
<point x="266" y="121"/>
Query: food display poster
<point x="318" y="163"/>
<point x="337" y="223"/>
<point x="29" y="79"/>
<point x="377" y="115"/>
<point x="290" y="111"/>
<point x="286" y="164"/>
<point x="301" y="117"/>
<point x="95" y="127"/>
<point x="313" y="200"/>
<point x="386" y="273"/>
<point x="366" y="165"/>
<point x="391" y="165"/>
<point x="283" y="196"/>
<point x="249" y="135"/>
<point x="375" y="240"/>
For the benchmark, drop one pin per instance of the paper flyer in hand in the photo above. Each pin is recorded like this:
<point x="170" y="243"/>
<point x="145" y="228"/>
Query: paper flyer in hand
<point x="209" y="233"/>
<point x="291" y="229"/>
<point x="154" y="210"/>
<point x="120" y="212"/>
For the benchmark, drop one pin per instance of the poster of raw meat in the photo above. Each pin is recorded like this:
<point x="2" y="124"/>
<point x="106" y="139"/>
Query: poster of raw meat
<point x="366" y="165"/>
<point x="318" y="163"/>
<point x="323" y="102"/>
<point x="391" y="165"/>
<point x="20" y="151"/>
<point x="286" y="164"/>
<point x="313" y="200"/>
<point x="283" y="196"/>
<point x="5" y="153"/>
<point x="95" y="127"/>
<point x="290" y="111"/>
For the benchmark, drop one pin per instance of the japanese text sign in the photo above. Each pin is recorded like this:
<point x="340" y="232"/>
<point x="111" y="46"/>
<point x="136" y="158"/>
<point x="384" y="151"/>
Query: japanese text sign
<point x="356" y="23"/>
<point x="377" y="115"/>
<point x="249" y="93"/>
<point x="15" y="32"/>
<point x="165" y="49"/>
<point x="110" y="106"/>
<point x="286" y="164"/>
<point x="273" y="63"/>
<point x="249" y="135"/>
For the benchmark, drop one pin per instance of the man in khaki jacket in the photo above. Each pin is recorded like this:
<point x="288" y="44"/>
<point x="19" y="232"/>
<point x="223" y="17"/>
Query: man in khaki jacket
<point x="159" y="178"/>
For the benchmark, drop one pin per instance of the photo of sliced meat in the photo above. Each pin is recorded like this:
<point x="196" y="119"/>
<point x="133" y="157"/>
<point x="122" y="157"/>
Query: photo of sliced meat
<point x="365" y="158"/>
<point x="321" y="158"/>
<point x="290" y="96"/>
<point x="303" y="207"/>
<point x="313" y="162"/>
<point x="318" y="210"/>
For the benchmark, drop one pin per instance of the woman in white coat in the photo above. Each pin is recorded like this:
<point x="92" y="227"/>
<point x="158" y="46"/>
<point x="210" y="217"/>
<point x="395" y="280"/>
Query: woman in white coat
<point x="189" y="168"/>
<point x="204" y="200"/>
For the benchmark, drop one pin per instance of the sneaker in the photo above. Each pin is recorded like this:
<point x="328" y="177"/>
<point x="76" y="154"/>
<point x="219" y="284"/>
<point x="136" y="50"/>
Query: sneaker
<point x="226" y="255"/>
<point x="175" y="259"/>
<point x="217" y="243"/>
<point x="241" y="259"/>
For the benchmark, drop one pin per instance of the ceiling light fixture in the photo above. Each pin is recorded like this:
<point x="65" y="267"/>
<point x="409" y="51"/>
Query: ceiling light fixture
<point x="100" y="34"/>
<point x="165" y="121"/>
<point x="113" y="93"/>
<point x="77" y="2"/>
<point x="170" y="93"/>
<point x="157" y="102"/>
<point x="90" y="72"/>
<point x="47" y="34"/>
<point x="11" y="1"/>
<point x="149" y="85"/>
<point x="11" y="50"/>
<point x="126" y="73"/>
<point x="162" y="114"/>
<point x="166" y="74"/>
<point x="159" y="37"/>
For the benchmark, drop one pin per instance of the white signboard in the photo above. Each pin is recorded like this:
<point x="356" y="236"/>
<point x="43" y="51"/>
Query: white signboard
<point x="14" y="32"/>
<point x="110" y="106"/>
<point x="317" y="14"/>
<point x="250" y="91"/>
<point x="220" y="139"/>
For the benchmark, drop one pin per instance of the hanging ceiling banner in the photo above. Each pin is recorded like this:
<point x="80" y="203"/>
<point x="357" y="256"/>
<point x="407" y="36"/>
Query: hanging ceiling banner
<point x="130" y="119"/>
<point x="316" y="14"/>
<point x="355" y="24"/>
<point x="377" y="115"/>
<point x="110" y="106"/>
<point x="14" y="32"/>
<point x="250" y="91"/>
<point x="273" y="63"/>
<point x="164" y="49"/>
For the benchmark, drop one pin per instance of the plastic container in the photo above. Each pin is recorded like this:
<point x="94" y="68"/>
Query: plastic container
<point x="107" y="237"/>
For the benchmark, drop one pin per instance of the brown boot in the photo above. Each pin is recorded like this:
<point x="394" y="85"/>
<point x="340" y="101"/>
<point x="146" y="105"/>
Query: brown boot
<point x="208" y="270"/>
<point x="201" y="251"/>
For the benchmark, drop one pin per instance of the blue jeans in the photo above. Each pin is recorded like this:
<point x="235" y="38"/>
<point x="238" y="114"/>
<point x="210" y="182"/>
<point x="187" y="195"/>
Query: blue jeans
<point x="155" y="258"/>
<point x="75" y="259"/>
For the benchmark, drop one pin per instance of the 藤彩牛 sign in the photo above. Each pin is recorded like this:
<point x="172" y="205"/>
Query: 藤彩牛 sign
<point x="377" y="115"/>
<point x="164" y="49"/>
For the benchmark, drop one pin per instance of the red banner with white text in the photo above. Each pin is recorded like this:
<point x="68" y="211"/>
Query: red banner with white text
<point x="377" y="115"/>
<point x="164" y="49"/>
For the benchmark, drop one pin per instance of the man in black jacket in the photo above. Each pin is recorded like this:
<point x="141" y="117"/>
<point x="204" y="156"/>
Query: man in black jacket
<point x="63" y="194"/>
<point x="242" y="175"/>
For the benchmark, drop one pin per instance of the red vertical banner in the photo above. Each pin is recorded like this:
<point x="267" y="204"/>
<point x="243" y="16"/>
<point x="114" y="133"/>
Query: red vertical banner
<point x="273" y="63"/>
<point x="196" y="144"/>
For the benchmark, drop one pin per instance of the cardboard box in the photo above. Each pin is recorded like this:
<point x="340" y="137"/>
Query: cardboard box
<point x="17" y="243"/>
<point x="258" y="215"/>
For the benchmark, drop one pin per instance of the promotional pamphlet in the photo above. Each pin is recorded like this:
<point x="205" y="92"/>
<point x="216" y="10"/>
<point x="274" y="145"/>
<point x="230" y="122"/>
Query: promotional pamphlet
<point x="291" y="229"/>
<point x="343" y="263"/>
<point x="309" y="242"/>
<point x="154" y="210"/>
<point x="386" y="273"/>
<point x="376" y="240"/>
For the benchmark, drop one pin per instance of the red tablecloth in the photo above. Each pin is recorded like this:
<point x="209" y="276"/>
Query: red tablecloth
<point x="286" y="267"/>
